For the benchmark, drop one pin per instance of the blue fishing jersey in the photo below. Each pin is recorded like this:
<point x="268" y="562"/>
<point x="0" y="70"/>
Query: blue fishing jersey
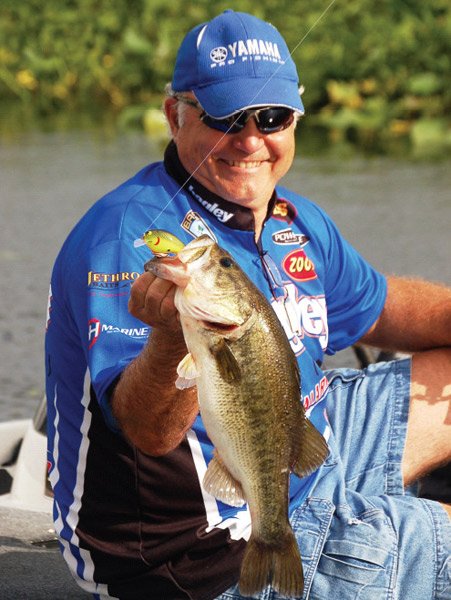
<point x="116" y="509"/>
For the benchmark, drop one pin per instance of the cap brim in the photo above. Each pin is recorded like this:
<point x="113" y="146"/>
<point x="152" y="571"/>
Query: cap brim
<point x="222" y="99"/>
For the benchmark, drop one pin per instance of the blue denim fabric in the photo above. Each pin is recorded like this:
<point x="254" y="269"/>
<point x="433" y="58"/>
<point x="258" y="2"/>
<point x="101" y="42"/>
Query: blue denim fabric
<point x="361" y="536"/>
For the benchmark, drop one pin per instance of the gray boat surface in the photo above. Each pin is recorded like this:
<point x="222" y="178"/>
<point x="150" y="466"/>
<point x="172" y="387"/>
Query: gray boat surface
<point x="31" y="564"/>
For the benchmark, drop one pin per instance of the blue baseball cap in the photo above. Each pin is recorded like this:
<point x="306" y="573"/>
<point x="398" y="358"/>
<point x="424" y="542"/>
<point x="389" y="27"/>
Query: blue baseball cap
<point x="235" y="62"/>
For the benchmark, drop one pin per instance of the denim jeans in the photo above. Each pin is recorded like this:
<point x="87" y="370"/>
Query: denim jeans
<point x="362" y="536"/>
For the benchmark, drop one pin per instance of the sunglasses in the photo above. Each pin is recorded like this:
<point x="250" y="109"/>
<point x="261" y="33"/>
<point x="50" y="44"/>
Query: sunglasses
<point x="269" y="119"/>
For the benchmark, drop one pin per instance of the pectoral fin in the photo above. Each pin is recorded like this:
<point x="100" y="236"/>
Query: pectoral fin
<point x="311" y="451"/>
<point x="228" y="366"/>
<point x="221" y="484"/>
<point x="187" y="373"/>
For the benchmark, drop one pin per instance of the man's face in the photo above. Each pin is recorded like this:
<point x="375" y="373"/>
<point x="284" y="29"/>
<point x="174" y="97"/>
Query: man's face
<point x="242" y="167"/>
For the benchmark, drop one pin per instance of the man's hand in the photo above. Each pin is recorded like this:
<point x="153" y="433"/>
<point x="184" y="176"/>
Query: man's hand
<point x="152" y="301"/>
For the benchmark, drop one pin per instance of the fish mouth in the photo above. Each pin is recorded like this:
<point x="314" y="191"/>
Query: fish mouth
<point x="169" y="268"/>
<point x="178" y="268"/>
<point x="206" y="319"/>
<point x="222" y="327"/>
<point x="231" y="330"/>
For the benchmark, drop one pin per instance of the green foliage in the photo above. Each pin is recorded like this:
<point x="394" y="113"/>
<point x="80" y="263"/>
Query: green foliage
<point x="373" y="72"/>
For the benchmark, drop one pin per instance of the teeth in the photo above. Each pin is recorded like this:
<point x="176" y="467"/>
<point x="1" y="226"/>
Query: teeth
<point x="244" y="164"/>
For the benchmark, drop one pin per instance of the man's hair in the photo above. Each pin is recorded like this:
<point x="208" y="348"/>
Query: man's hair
<point x="180" y="107"/>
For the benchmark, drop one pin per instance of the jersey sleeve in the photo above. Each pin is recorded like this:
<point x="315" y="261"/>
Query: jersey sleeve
<point x="113" y="337"/>
<point x="355" y="291"/>
<point x="90" y="292"/>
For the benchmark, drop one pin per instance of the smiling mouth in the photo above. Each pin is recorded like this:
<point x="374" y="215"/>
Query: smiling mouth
<point x="244" y="164"/>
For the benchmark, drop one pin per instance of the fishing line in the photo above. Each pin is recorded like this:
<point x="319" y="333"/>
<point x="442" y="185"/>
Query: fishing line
<point x="210" y="152"/>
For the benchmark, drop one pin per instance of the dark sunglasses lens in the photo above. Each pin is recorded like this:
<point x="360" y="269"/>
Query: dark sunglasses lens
<point x="225" y="125"/>
<point x="269" y="120"/>
<point x="274" y="119"/>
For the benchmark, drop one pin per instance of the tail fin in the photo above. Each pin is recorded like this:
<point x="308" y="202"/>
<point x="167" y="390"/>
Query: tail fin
<point x="280" y="566"/>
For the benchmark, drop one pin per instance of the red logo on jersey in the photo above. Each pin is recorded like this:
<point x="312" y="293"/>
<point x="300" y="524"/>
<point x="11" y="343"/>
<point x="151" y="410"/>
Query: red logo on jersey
<point x="93" y="332"/>
<point x="284" y="211"/>
<point x="298" y="266"/>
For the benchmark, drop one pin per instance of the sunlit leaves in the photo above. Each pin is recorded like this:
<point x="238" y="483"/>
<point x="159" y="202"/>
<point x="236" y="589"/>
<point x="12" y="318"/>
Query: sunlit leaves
<point x="372" y="71"/>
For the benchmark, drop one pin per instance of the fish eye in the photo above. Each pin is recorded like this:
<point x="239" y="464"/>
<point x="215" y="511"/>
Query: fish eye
<point x="225" y="261"/>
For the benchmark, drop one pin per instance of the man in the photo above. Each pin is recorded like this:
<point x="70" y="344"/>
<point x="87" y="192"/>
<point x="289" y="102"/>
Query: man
<point x="128" y="455"/>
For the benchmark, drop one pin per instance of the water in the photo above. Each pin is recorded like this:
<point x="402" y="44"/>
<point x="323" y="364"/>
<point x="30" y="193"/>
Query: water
<point x="397" y="214"/>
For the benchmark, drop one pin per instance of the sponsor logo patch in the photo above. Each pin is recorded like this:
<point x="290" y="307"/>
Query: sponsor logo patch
<point x="317" y="394"/>
<point x="302" y="316"/>
<point x="287" y="237"/>
<point x="222" y="215"/>
<point x="102" y="281"/>
<point x="251" y="49"/>
<point x="96" y="329"/>
<point x="196" y="226"/>
<point x="284" y="211"/>
<point x="298" y="266"/>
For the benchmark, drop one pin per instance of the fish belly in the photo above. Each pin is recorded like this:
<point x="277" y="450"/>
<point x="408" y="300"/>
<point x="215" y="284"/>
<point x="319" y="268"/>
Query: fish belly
<point x="251" y="422"/>
<point x="250" y="448"/>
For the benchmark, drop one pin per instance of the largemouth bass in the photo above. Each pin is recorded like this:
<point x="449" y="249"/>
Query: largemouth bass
<point x="248" y="385"/>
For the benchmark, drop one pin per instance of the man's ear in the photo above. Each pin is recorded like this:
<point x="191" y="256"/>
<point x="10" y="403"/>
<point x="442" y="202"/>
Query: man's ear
<point x="170" y="110"/>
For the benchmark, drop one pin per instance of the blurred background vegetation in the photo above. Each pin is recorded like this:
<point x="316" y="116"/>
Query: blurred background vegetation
<point x="377" y="75"/>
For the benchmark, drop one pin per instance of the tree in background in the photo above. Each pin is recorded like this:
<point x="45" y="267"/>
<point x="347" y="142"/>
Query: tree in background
<point x="373" y="72"/>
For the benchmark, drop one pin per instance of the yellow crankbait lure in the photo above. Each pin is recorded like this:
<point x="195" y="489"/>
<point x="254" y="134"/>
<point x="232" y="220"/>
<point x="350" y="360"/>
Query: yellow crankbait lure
<point x="160" y="242"/>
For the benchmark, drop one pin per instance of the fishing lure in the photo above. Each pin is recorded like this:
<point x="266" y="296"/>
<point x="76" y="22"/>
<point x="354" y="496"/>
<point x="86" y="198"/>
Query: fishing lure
<point x="160" y="242"/>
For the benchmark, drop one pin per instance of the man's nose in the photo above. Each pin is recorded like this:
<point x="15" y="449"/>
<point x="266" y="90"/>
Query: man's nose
<point x="249" y="139"/>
